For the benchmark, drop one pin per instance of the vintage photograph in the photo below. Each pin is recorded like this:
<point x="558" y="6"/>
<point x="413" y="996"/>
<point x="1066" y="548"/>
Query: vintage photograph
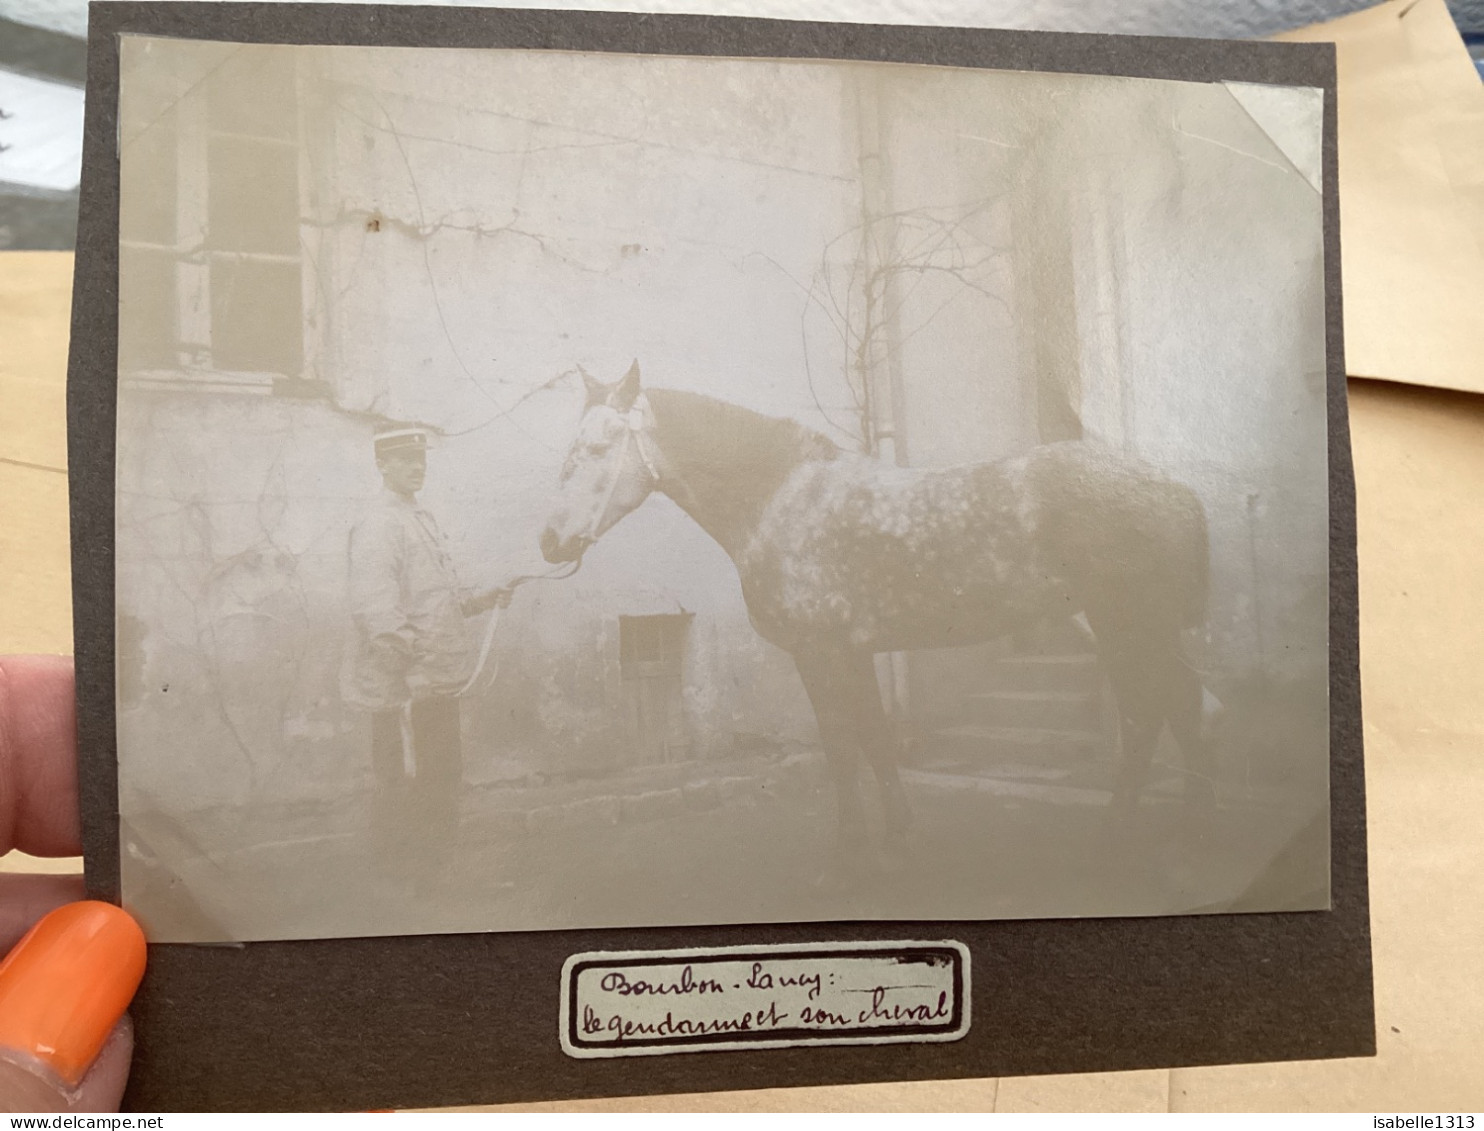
<point x="576" y="489"/>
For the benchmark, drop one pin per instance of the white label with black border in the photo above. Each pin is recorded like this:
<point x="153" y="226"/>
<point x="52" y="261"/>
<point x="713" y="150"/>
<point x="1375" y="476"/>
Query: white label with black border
<point x="649" y="1003"/>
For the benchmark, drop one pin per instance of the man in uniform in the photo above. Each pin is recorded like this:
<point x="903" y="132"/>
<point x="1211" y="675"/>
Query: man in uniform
<point x="412" y="658"/>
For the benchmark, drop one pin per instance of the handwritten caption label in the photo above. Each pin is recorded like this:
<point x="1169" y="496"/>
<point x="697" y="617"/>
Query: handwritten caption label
<point x="648" y="1003"/>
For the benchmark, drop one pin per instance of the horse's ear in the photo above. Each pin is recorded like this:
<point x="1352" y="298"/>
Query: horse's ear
<point x="597" y="392"/>
<point x="628" y="389"/>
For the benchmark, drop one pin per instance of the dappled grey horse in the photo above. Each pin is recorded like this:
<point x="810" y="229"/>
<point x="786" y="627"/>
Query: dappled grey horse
<point x="842" y="556"/>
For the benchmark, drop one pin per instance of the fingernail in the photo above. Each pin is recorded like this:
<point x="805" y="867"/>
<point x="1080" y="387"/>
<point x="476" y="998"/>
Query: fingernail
<point x="66" y="984"/>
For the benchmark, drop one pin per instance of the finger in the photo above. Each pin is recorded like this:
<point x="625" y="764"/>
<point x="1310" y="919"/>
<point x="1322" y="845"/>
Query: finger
<point x="38" y="757"/>
<point x="25" y="1086"/>
<point x="63" y="991"/>
<point x="25" y="899"/>
<point x="103" y="1087"/>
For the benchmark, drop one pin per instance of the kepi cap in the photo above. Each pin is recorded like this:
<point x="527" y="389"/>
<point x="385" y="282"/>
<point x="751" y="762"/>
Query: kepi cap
<point x="393" y="436"/>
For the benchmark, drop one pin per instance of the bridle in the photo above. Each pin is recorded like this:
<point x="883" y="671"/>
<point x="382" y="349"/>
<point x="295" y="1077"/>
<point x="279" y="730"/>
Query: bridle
<point x="636" y="437"/>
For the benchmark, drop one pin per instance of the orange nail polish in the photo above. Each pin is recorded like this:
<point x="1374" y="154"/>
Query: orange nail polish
<point x="66" y="984"/>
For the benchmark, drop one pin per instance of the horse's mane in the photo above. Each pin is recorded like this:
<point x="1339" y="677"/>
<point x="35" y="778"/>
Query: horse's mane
<point x="722" y="446"/>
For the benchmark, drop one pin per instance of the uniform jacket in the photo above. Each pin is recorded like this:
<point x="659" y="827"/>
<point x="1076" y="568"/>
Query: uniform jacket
<point x="410" y="639"/>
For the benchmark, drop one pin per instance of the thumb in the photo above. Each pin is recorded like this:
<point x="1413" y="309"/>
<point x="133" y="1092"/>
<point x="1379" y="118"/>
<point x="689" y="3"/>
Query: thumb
<point x="64" y="1040"/>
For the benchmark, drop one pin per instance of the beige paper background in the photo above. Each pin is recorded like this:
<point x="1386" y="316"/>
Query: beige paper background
<point x="1419" y="457"/>
<point x="1411" y="114"/>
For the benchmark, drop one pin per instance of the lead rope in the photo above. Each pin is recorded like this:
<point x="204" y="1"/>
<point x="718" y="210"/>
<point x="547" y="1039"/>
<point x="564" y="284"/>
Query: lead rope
<point x="409" y="747"/>
<point x="558" y="574"/>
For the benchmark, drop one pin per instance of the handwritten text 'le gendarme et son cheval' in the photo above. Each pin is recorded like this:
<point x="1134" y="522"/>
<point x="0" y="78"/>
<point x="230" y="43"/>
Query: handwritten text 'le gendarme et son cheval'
<point x="766" y="998"/>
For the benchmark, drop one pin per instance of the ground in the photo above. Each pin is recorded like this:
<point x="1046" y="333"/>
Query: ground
<point x="751" y="840"/>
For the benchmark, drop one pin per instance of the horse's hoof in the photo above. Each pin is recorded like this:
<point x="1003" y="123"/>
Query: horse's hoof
<point x="1120" y="820"/>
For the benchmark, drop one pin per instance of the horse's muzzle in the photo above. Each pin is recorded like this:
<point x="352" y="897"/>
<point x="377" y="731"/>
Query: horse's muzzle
<point x="558" y="550"/>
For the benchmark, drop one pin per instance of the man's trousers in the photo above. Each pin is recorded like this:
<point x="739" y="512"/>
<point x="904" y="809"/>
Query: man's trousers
<point x="415" y="810"/>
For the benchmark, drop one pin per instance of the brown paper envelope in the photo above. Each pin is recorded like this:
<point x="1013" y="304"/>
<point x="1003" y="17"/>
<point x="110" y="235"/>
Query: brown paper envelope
<point x="1419" y="458"/>
<point x="35" y="588"/>
<point x="1411" y="111"/>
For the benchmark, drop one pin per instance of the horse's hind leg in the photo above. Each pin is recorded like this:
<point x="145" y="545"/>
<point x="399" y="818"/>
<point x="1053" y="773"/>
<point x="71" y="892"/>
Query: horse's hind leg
<point x="1162" y="689"/>
<point x="1130" y="660"/>
<point x="1139" y="733"/>
<point x="877" y="740"/>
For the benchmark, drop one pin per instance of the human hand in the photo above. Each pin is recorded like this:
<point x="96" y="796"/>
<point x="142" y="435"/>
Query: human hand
<point x="392" y="649"/>
<point x="65" y="1042"/>
<point x="491" y="599"/>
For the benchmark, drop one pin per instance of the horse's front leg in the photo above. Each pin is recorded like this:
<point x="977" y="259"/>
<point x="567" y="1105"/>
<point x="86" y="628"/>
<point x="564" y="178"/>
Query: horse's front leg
<point x="1186" y="717"/>
<point x="853" y="845"/>
<point x="1127" y="654"/>
<point x="877" y="739"/>
<point x="838" y="735"/>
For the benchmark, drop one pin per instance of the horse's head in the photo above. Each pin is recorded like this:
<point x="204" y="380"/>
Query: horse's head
<point x="610" y="468"/>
